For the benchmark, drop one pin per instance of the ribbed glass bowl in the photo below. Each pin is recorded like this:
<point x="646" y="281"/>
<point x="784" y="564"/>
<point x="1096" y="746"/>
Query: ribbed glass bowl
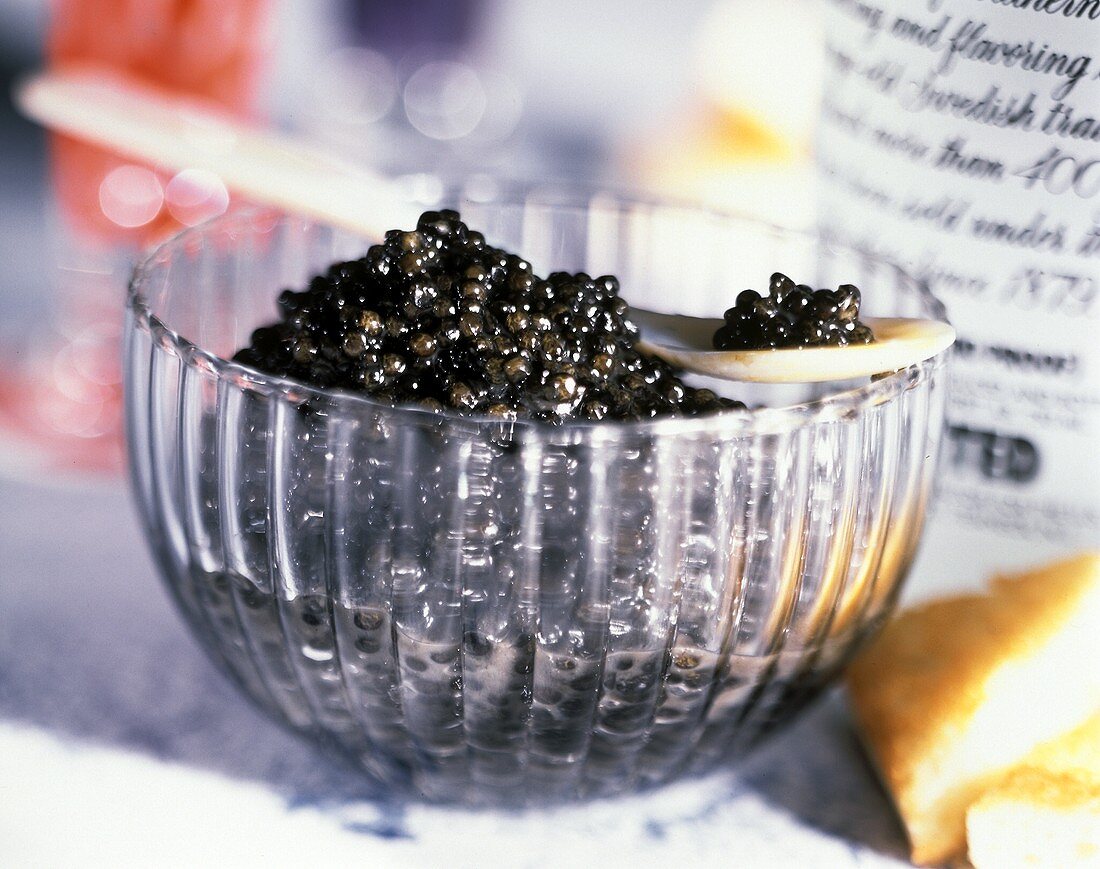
<point x="518" y="613"/>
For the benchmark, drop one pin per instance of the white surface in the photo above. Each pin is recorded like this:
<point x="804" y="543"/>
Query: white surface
<point x="121" y="746"/>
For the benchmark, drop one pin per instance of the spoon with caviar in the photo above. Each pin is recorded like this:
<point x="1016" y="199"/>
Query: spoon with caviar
<point x="794" y="334"/>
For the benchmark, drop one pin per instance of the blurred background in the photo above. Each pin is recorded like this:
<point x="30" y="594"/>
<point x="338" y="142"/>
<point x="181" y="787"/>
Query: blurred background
<point x="704" y="100"/>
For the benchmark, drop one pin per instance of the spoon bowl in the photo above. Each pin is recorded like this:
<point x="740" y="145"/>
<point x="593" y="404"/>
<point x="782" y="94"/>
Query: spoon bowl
<point x="686" y="343"/>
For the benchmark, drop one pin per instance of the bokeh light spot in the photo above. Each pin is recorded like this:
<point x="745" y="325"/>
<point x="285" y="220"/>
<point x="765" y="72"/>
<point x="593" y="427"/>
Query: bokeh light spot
<point x="131" y="196"/>
<point x="445" y="100"/>
<point x="195" y="195"/>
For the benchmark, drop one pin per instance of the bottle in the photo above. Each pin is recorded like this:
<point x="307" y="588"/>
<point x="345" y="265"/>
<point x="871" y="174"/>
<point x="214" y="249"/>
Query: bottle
<point x="962" y="140"/>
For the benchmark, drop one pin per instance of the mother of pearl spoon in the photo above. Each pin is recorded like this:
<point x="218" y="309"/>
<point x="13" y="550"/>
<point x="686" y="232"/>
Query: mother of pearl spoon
<point x="295" y="176"/>
<point x="686" y="343"/>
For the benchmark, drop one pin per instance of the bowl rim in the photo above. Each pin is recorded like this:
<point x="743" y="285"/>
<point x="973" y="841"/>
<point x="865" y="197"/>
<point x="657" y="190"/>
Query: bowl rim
<point x="841" y="404"/>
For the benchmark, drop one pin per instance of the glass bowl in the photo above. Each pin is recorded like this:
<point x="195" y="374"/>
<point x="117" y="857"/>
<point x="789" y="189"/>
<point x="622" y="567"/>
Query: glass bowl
<point x="517" y="613"/>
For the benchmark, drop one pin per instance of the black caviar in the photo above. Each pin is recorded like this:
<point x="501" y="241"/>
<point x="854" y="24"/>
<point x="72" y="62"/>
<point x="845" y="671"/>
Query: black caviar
<point x="793" y="315"/>
<point x="439" y="318"/>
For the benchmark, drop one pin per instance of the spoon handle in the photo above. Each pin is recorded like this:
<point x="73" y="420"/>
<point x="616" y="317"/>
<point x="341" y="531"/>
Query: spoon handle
<point x="174" y="133"/>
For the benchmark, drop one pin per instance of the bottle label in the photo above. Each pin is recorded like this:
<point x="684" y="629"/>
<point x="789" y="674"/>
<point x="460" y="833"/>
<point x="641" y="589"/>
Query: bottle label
<point x="963" y="140"/>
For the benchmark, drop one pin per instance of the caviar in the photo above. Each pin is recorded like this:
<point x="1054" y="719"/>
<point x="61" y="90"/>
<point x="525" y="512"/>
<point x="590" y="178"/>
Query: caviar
<point x="438" y="318"/>
<point x="793" y="315"/>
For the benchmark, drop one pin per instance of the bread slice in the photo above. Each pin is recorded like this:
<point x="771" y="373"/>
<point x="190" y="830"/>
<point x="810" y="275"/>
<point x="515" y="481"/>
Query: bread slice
<point x="1045" y="813"/>
<point x="958" y="691"/>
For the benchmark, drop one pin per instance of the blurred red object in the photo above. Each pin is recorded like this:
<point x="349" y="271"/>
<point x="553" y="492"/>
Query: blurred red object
<point x="60" y="400"/>
<point x="209" y="49"/>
